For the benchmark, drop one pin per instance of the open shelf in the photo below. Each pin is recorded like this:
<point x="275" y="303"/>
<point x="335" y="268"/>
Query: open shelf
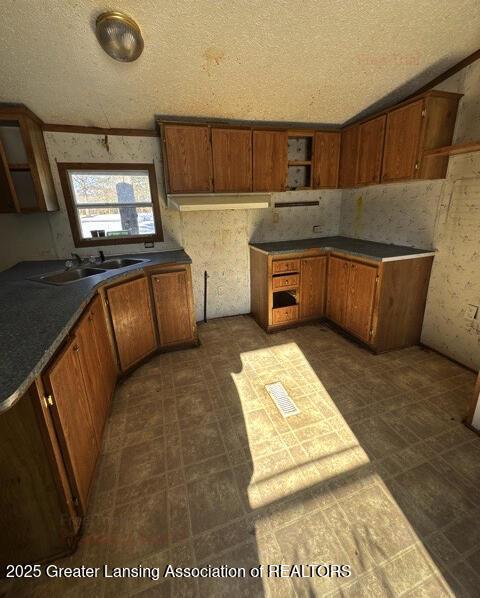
<point x="454" y="150"/>
<point x="284" y="299"/>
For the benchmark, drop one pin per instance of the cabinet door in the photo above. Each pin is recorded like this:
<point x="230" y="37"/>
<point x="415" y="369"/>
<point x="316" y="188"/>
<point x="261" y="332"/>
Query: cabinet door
<point x="361" y="295"/>
<point x="370" y="150"/>
<point x="92" y="373"/>
<point x="313" y="271"/>
<point x="326" y="156"/>
<point x="132" y="321"/>
<point x="348" y="157"/>
<point x="402" y="142"/>
<point x="189" y="158"/>
<point x="107" y="358"/>
<point x="232" y="160"/>
<point x="173" y="307"/>
<point x="270" y="160"/>
<point x="98" y="367"/>
<point x="338" y="272"/>
<point x="73" y="420"/>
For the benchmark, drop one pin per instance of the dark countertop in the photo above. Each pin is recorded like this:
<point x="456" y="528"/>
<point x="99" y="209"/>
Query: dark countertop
<point x="35" y="317"/>
<point x="382" y="252"/>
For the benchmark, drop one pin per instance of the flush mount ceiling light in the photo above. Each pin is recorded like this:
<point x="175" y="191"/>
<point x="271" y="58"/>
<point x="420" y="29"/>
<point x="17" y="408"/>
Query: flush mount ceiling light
<point x="119" y="36"/>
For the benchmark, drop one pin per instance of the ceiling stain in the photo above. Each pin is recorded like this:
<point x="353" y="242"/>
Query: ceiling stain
<point x="213" y="57"/>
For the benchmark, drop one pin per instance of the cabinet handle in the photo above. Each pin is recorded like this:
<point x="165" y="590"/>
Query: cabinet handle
<point x="76" y="348"/>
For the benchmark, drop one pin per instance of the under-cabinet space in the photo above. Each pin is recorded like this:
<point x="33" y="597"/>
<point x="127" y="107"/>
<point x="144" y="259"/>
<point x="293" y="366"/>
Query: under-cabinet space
<point x="284" y="299"/>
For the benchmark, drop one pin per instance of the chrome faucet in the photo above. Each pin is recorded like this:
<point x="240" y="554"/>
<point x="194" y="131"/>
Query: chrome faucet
<point x="77" y="258"/>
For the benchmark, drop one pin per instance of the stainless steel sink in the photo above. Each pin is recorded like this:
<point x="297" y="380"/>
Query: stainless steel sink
<point x="120" y="263"/>
<point x="68" y="276"/>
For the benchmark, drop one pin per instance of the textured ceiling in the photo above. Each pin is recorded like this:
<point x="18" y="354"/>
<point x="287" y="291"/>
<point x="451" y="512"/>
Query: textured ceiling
<point x="320" y="61"/>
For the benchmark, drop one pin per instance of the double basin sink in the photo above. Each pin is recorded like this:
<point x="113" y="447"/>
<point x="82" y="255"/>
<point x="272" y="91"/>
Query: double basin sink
<point x="75" y="274"/>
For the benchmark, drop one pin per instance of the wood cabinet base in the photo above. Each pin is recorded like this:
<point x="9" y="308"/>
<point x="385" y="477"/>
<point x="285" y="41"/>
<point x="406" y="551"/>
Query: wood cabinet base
<point x="381" y="304"/>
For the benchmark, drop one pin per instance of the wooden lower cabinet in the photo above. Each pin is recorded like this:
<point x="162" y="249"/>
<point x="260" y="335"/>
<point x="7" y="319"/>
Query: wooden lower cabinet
<point x="71" y="411"/>
<point x="313" y="285"/>
<point x="173" y="307"/>
<point x="97" y="363"/>
<point x="381" y="303"/>
<point x="338" y="273"/>
<point x="132" y="321"/>
<point x="362" y="283"/>
<point x="50" y="439"/>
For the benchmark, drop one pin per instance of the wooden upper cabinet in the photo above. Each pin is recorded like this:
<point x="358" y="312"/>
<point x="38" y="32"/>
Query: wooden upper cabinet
<point x="326" y="157"/>
<point x="348" y="157"/>
<point x="26" y="182"/>
<point x="402" y="142"/>
<point x="360" y="300"/>
<point x="370" y="151"/>
<point x="173" y="306"/>
<point x="440" y="117"/>
<point x="132" y="321"/>
<point x="232" y="160"/>
<point x="73" y="423"/>
<point x="270" y="160"/>
<point x="189" y="158"/>
<point x="313" y="284"/>
<point x="338" y="273"/>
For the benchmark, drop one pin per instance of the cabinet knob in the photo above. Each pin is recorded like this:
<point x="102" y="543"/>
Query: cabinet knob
<point x="76" y="348"/>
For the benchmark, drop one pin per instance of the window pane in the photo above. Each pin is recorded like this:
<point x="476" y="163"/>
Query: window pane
<point x="115" y="222"/>
<point x="110" y="186"/>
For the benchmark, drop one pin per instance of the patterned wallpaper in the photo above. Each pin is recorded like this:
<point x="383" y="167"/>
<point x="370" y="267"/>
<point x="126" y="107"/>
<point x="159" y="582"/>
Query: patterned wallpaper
<point x="217" y="241"/>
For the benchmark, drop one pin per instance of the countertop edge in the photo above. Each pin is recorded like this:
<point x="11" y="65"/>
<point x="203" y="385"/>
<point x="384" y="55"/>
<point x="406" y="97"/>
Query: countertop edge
<point x="9" y="402"/>
<point x="328" y="249"/>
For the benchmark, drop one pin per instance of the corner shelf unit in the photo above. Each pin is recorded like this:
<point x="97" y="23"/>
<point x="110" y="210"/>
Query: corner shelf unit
<point x="300" y="160"/>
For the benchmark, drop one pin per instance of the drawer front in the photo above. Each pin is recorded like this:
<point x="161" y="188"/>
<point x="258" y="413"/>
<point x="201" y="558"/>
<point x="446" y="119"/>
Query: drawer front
<point x="290" y="280"/>
<point x="280" y="266"/>
<point x="285" y="314"/>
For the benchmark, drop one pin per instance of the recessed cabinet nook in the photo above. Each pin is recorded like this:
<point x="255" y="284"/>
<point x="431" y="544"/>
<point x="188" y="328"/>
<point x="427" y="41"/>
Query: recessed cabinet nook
<point x="394" y="145"/>
<point x="51" y="438"/>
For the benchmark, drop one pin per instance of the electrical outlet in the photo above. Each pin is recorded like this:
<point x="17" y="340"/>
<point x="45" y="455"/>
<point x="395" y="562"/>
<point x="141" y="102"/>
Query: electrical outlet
<point x="275" y="217"/>
<point x="471" y="312"/>
<point x="317" y="228"/>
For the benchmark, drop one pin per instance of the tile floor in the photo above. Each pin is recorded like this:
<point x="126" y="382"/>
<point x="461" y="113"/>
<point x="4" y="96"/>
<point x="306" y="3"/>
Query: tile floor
<point x="199" y="468"/>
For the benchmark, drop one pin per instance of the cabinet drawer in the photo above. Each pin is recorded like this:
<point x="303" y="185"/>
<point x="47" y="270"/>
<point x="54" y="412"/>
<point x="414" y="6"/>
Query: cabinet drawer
<point x="285" y="314"/>
<point x="280" y="266"/>
<point x="290" y="280"/>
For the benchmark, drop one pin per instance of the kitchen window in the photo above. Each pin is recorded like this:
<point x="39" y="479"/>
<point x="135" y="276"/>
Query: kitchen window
<point x="111" y="204"/>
